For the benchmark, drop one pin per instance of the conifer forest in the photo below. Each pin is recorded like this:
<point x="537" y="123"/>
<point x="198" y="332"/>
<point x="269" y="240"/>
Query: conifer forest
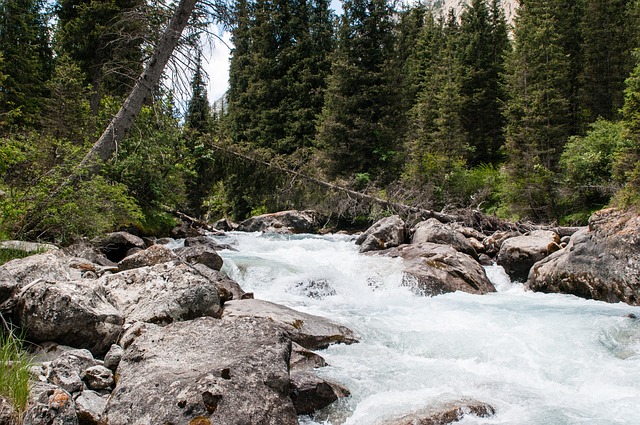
<point x="532" y="118"/>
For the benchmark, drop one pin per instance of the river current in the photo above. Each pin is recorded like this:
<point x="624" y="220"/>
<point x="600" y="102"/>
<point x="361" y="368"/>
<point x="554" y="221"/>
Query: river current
<point x="536" y="358"/>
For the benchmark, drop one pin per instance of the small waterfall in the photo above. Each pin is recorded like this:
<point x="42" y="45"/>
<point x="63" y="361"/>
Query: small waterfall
<point x="537" y="358"/>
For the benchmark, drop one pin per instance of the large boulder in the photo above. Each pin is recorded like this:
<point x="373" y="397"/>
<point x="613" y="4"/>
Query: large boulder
<point x="309" y="392"/>
<point x="282" y="222"/>
<point x="151" y="256"/>
<point x="517" y="255"/>
<point x="228" y="289"/>
<point x="312" y="332"/>
<point x="601" y="261"/>
<point x="433" y="269"/>
<point x="162" y="294"/>
<point x="435" y="232"/>
<point x="205" y="371"/>
<point x="385" y="233"/>
<point x="200" y="254"/>
<point x="75" y="313"/>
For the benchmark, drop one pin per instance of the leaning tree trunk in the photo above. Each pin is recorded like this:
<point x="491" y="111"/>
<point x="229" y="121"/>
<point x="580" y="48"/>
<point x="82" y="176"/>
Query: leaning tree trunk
<point x="106" y="145"/>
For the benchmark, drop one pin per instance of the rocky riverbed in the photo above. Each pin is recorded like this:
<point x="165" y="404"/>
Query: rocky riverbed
<point x="128" y="331"/>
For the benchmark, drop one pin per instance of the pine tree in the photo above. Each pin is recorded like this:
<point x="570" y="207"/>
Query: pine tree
<point x="538" y="111"/>
<point x="104" y="38"/>
<point x="27" y="59"/>
<point x="606" y="29"/>
<point x="198" y="117"/>
<point x="484" y="43"/>
<point x="358" y="127"/>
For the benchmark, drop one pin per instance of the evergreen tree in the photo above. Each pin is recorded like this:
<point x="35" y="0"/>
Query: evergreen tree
<point x="24" y="45"/>
<point x="359" y="123"/>
<point x="607" y="31"/>
<point x="484" y="43"/>
<point x="538" y="111"/>
<point x="104" y="38"/>
<point x="198" y="117"/>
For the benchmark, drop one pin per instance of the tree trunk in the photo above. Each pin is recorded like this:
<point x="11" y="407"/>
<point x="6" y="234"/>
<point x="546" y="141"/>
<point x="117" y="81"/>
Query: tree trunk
<point x="107" y="144"/>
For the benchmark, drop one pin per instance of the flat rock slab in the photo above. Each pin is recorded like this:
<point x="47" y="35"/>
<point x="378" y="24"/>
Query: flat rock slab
<point x="445" y="413"/>
<point x="205" y="371"/>
<point x="312" y="332"/>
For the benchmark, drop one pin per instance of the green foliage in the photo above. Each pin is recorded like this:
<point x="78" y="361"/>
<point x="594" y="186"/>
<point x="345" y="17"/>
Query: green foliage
<point x="15" y="376"/>
<point x="587" y="166"/>
<point x="8" y="254"/>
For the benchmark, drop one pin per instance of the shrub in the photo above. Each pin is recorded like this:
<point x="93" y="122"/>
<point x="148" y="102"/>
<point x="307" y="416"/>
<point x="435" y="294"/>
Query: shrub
<point x="15" y="377"/>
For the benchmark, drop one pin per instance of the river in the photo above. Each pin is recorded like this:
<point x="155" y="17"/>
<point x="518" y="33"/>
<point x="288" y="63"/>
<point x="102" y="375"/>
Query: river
<point x="537" y="358"/>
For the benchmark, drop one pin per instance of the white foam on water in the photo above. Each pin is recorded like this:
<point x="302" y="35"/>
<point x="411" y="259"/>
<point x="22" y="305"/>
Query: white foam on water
<point x="537" y="358"/>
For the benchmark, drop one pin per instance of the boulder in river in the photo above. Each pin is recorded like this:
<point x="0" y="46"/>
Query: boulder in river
<point x="312" y="332"/>
<point x="444" y="413"/>
<point x="433" y="269"/>
<point x="282" y="222"/>
<point x="435" y="232"/>
<point x="517" y="255"/>
<point x="601" y="261"/>
<point x="384" y="233"/>
<point x="200" y="254"/>
<point x="205" y="371"/>
<point x="162" y="294"/>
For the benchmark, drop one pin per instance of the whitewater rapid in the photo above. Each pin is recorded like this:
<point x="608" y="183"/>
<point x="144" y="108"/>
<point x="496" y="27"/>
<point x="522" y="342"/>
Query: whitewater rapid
<point x="536" y="358"/>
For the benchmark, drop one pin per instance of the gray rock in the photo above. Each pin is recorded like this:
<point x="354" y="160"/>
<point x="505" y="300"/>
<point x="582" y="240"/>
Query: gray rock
<point x="228" y="289"/>
<point x="184" y="230"/>
<point x="444" y="413"/>
<point x="433" y="269"/>
<point x="435" y="232"/>
<point x="98" y="378"/>
<point x="303" y="359"/>
<point x="151" y="256"/>
<point x="162" y="294"/>
<point x="66" y="370"/>
<point x="312" y="332"/>
<point x="85" y="249"/>
<point x="200" y="254"/>
<point x="601" y="262"/>
<point x="205" y="371"/>
<point x="115" y="245"/>
<point x="385" y="233"/>
<point x="73" y="313"/>
<point x="58" y="410"/>
<point x="90" y="407"/>
<point x="517" y="255"/>
<point x="309" y="392"/>
<point x="207" y="241"/>
<point x="8" y="415"/>
<point x="225" y="225"/>
<point x="113" y="357"/>
<point x="493" y="243"/>
<point x="28" y="246"/>
<point x="282" y="222"/>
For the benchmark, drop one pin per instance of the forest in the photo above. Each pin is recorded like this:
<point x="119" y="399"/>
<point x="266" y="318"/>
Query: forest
<point x="538" y="119"/>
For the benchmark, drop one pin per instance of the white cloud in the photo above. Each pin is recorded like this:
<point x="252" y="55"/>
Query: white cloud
<point x="216" y="63"/>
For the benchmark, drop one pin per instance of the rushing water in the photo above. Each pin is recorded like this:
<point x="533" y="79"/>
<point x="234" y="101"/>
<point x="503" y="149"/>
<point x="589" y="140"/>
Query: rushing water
<point x="537" y="358"/>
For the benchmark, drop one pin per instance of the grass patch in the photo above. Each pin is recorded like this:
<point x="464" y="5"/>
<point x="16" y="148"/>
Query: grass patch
<point x="8" y="254"/>
<point x="15" y="378"/>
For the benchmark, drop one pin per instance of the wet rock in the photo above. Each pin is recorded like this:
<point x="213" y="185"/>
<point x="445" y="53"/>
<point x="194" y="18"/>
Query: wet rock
<point x="184" y="230"/>
<point x="207" y="241"/>
<point x="98" y="378"/>
<point x="435" y="232"/>
<point x="601" y="262"/>
<point x="90" y="407"/>
<point x="115" y="245"/>
<point x="58" y="410"/>
<point x="282" y="222"/>
<point x="72" y="313"/>
<point x="200" y="254"/>
<point x="113" y="357"/>
<point x="517" y="255"/>
<point x="318" y="289"/>
<point x="445" y="413"/>
<point x="66" y="370"/>
<point x="310" y="392"/>
<point x="205" y="371"/>
<point x="151" y="256"/>
<point x="225" y="225"/>
<point x="312" y="332"/>
<point x="433" y="269"/>
<point x="385" y="233"/>
<point x="162" y="294"/>
<point x="303" y="359"/>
